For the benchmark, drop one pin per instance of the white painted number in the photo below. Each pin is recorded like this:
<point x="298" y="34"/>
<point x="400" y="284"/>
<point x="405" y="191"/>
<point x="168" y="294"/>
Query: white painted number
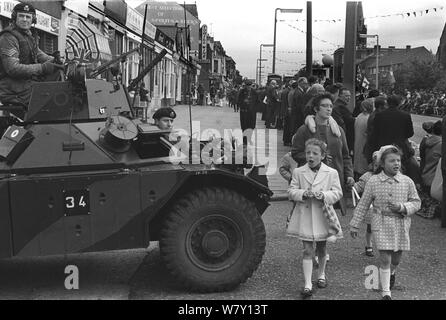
<point x="71" y="204"/>
<point x="82" y="202"/>
<point x="72" y="280"/>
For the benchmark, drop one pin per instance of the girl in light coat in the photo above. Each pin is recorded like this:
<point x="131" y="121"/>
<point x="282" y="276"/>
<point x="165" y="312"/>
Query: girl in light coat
<point x="394" y="198"/>
<point x="313" y="185"/>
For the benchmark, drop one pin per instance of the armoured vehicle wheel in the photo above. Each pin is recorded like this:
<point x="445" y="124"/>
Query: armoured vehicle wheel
<point x="213" y="240"/>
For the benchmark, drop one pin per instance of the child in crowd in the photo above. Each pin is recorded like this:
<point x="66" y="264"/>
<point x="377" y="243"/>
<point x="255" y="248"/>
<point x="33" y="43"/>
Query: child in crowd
<point x="313" y="186"/>
<point x="287" y="166"/>
<point x="394" y="198"/>
<point x="359" y="188"/>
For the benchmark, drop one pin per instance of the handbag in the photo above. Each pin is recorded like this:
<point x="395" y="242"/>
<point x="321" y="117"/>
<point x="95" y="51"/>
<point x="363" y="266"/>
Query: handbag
<point x="437" y="184"/>
<point x="333" y="221"/>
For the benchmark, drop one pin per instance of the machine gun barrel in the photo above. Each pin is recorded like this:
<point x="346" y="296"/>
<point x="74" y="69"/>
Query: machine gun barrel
<point x="134" y="83"/>
<point x="105" y="66"/>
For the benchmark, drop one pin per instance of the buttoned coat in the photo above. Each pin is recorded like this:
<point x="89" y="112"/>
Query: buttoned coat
<point x="391" y="232"/>
<point x="308" y="221"/>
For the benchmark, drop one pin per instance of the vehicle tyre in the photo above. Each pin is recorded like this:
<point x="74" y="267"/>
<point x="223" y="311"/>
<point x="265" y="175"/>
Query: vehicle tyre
<point x="213" y="239"/>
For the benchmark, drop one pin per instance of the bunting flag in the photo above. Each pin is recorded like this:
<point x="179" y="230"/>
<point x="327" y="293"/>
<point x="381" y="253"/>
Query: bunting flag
<point x="301" y="51"/>
<point x="401" y="14"/>
<point x="317" y="38"/>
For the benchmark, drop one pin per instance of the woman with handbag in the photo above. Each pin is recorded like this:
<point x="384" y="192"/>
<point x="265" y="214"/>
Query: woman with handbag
<point x="314" y="188"/>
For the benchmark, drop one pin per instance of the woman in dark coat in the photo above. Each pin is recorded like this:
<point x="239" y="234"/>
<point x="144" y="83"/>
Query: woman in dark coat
<point x="338" y="156"/>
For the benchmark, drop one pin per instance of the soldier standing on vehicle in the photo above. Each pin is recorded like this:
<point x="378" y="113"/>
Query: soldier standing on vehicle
<point x="22" y="62"/>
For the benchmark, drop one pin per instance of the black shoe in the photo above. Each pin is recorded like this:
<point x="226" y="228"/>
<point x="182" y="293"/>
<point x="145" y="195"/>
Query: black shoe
<point x="306" y="293"/>
<point x="369" y="252"/>
<point x="392" y="281"/>
<point x="322" y="283"/>
<point x="387" y="297"/>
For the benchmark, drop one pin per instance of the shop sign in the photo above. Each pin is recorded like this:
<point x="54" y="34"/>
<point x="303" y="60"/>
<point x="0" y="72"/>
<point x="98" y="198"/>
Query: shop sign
<point x="116" y="9"/>
<point x="163" y="39"/>
<point x="80" y="7"/>
<point x="45" y="22"/>
<point x="150" y="30"/>
<point x="134" y="20"/>
<point x="163" y="13"/>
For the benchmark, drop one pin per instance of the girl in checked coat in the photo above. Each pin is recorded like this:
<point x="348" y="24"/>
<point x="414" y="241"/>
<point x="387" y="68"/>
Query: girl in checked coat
<point x="394" y="198"/>
<point x="313" y="185"/>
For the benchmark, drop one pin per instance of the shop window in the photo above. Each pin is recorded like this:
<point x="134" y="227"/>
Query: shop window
<point x="215" y="66"/>
<point x="47" y="42"/>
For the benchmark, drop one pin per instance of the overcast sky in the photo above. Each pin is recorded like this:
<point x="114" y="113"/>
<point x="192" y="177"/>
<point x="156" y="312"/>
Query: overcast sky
<point x="242" y="25"/>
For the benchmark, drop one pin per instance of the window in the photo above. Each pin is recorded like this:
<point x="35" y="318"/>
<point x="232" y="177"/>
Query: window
<point x="133" y="62"/>
<point x="47" y="42"/>
<point x="215" y="66"/>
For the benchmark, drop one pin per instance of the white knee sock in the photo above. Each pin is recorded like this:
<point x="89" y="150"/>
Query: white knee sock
<point x="384" y="276"/>
<point x="322" y="264"/>
<point x="307" y="265"/>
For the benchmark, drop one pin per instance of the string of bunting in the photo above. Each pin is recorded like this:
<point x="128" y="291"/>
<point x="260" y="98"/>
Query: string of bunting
<point x="302" y="51"/>
<point x="287" y="61"/>
<point x="415" y="13"/>
<point x="315" y="37"/>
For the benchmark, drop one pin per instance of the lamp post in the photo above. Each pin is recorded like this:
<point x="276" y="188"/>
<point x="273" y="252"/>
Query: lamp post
<point x="377" y="53"/>
<point x="260" y="61"/>
<point x="275" y="27"/>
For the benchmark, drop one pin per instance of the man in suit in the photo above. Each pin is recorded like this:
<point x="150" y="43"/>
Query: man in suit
<point x="298" y="104"/>
<point x="344" y="116"/>
<point x="393" y="126"/>
<point x="284" y="114"/>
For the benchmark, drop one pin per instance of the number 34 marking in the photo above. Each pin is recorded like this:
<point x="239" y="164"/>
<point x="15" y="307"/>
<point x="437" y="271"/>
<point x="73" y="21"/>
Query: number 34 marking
<point x="77" y="202"/>
<point x="70" y="202"/>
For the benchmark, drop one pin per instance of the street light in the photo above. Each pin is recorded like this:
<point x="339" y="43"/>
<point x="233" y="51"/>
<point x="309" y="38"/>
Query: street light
<point x="275" y="24"/>
<point x="377" y="52"/>
<point x="260" y="65"/>
<point x="259" y="70"/>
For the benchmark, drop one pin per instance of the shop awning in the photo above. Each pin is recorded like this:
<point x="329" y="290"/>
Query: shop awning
<point x="84" y="35"/>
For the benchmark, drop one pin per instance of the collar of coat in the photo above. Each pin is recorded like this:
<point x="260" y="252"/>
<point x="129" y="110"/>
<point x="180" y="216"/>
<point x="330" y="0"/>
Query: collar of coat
<point x="320" y="176"/>
<point x="384" y="177"/>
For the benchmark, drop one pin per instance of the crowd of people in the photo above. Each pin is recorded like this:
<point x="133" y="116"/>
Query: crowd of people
<point x="336" y="152"/>
<point x="425" y="102"/>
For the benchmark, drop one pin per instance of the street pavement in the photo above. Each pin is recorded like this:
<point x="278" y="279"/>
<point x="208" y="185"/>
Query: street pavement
<point x="221" y="118"/>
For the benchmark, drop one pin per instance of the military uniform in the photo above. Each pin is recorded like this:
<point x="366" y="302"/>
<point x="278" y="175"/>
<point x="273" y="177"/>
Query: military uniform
<point x="21" y="63"/>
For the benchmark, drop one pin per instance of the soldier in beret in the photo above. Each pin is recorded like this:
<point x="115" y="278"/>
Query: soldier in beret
<point x="164" y="118"/>
<point x="21" y="60"/>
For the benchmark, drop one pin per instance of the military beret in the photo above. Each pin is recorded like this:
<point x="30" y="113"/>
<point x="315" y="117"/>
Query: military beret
<point x="23" y="7"/>
<point x="164" y="112"/>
